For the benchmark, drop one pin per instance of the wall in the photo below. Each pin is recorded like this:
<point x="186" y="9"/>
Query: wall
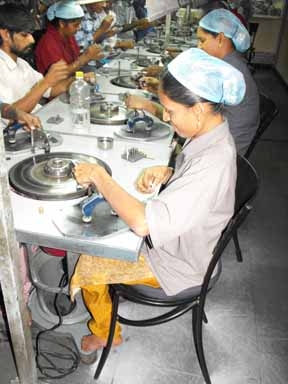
<point x="267" y="33"/>
<point x="282" y="57"/>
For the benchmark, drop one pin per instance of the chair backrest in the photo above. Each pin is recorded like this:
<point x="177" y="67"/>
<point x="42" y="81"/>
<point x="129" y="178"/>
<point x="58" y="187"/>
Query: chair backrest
<point x="268" y="111"/>
<point x="246" y="189"/>
<point x="253" y="27"/>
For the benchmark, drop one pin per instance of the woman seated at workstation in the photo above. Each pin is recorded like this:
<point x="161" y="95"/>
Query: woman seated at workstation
<point x="222" y="34"/>
<point x="59" y="42"/>
<point x="186" y="219"/>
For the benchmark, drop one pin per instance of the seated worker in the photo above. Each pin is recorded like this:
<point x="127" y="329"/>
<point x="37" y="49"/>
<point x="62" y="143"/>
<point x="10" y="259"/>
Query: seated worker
<point x="221" y="34"/>
<point x="59" y="43"/>
<point x="126" y="19"/>
<point x="141" y="13"/>
<point x="186" y="219"/>
<point x="19" y="82"/>
<point x="98" y="26"/>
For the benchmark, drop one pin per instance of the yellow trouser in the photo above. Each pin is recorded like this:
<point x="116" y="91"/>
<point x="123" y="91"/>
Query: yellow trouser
<point x="92" y="270"/>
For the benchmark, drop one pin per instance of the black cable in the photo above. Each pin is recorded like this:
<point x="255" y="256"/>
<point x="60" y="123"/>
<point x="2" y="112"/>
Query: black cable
<point x="46" y="355"/>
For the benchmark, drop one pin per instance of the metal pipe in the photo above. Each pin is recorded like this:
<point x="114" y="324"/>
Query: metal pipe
<point x="11" y="285"/>
<point x="167" y="29"/>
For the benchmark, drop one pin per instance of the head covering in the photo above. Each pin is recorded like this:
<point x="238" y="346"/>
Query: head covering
<point x="222" y="20"/>
<point x="208" y="77"/>
<point x="89" y="1"/>
<point x="66" y="9"/>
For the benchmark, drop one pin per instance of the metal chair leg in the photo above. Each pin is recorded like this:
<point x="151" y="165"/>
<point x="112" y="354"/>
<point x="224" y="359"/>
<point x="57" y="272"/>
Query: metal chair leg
<point x="106" y="350"/>
<point x="198" y="342"/>
<point x="237" y="248"/>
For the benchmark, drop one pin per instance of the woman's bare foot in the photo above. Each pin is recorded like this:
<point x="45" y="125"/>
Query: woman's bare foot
<point x="91" y="343"/>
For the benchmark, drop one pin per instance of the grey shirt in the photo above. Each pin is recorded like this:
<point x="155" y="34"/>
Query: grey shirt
<point x="243" y="118"/>
<point x="186" y="219"/>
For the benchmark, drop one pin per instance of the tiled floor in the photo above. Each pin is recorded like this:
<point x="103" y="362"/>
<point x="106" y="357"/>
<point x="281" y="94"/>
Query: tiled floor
<point x="246" y="339"/>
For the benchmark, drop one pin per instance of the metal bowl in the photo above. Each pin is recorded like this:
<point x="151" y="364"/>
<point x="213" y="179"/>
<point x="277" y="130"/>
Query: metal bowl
<point x="105" y="142"/>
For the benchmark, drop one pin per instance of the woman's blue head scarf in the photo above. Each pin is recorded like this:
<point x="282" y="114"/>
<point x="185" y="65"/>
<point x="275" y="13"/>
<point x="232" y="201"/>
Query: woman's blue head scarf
<point x="208" y="77"/>
<point x="222" y="20"/>
<point x="66" y="9"/>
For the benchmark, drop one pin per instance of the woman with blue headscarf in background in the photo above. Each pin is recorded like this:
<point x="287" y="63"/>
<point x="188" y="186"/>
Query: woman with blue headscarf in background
<point x="222" y="34"/>
<point x="59" y="43"/>
<point x="186" y="219"/>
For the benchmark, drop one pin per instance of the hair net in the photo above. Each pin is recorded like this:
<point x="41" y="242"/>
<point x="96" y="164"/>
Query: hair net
<point x="222" y="20"/>
<point x="65" y="10"/>
<point x="208" y="77"/>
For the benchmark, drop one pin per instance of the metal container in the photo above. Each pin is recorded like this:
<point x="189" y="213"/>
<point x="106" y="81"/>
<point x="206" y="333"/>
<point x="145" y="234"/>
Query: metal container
<point x="105" y="142"/>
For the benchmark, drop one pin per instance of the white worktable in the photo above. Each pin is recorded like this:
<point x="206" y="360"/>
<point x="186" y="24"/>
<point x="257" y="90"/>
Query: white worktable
<point x="34" y="218"/>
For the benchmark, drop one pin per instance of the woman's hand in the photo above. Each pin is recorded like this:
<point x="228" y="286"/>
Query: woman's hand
<point x="153" y="70"/>
<point x="125" y="44"/>
<point x="173" y="52"/>
<point x="151" y="177"/>
<point x="135" y="102"/>
<point x="86" y="173"/>
<point x="150" y="84"/>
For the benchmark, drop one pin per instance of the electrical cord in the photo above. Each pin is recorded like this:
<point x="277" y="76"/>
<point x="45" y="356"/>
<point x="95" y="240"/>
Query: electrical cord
<point x="70" y="354"/>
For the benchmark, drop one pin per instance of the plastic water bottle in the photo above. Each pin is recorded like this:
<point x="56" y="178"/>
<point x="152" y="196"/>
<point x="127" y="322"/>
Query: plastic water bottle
<point x="80" y="103"/>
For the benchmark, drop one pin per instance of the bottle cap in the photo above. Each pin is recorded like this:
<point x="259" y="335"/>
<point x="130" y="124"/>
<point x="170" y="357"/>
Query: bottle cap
<point x="79" y="75"/>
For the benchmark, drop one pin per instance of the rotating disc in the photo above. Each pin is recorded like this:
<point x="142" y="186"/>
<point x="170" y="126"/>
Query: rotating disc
<point x="49" y="176"/>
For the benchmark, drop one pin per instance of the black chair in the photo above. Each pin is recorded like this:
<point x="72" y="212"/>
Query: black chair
<point x="191" y="299"/>
<point x="250" y="54"/>
<point x="268" y="111"/>
<point x="246" y="178"/>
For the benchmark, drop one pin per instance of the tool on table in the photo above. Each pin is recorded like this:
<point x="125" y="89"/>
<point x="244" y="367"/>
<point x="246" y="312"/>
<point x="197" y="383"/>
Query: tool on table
<point x="119" y="68"/>
<point x="89" y="203"/>
<point x="92" y="218"/>
<point x="46" y="141"/>
<point x="134" y="154"/>
<point x="32" y="141"/>
<point x="55" y="119"/>
<point x="11" y="130"/>
<point x="139" y="116"/>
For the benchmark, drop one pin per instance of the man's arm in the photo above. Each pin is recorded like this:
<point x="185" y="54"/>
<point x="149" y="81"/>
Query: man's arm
<point x="56" y="73"/>
<point x="10" y="112"/>
<point x="62" y="86"/>
<point x="100" y="34"/>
